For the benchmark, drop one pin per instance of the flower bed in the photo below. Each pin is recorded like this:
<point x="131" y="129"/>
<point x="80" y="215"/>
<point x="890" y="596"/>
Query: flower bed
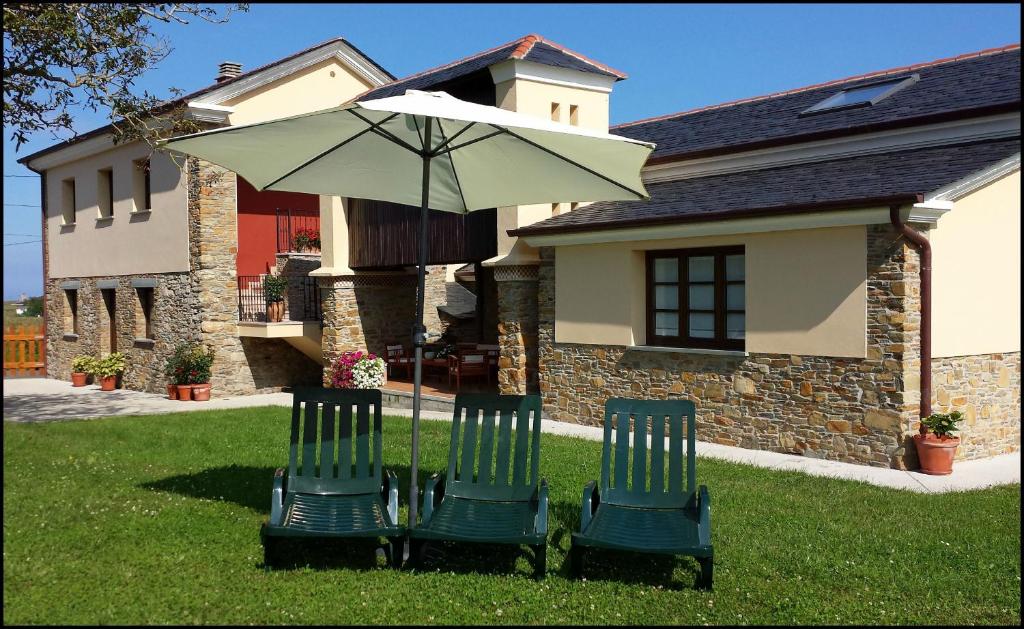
<point x="358" y="370"/>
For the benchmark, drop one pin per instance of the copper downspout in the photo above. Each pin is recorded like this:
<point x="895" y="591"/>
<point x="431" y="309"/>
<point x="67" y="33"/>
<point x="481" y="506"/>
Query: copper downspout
<point x="925" y="249"/>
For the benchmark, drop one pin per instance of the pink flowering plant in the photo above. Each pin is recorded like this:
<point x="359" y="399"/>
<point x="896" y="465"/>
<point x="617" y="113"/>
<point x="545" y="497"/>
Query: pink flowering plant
<point x="358" y="370"/>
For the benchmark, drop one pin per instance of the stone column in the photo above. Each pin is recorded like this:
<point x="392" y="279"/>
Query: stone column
<point x="517" y="328"/>
<point x="366" y="311"/>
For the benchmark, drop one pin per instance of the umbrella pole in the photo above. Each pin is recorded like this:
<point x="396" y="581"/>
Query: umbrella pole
<point x="419" y="334"/>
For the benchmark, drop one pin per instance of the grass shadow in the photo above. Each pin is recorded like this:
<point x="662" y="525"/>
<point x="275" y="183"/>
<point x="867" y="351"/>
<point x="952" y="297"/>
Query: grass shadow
<point x="635" y="568"/>
<point x="473" y="558"/>
<point x="245" y="485"/>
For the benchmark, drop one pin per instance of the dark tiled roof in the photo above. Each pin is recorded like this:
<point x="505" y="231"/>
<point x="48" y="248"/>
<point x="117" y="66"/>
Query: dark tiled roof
<point x="529" y="48"/>
<point x="843" y="183"/>
<point x="987" y="80"/>
<point x="205" y="90"/>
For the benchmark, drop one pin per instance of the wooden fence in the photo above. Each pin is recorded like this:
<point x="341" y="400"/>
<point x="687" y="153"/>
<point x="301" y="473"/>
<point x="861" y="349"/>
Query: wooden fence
<point x="24" y="349"/>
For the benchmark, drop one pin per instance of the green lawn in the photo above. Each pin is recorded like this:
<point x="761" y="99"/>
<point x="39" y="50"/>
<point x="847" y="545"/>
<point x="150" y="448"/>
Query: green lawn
<point x="156" y="520"/>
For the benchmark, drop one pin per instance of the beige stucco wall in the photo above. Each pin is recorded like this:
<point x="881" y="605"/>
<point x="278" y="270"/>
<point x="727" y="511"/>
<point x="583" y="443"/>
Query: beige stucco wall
<point x="534" y="99"/>
<point x="148" y="242"/>
<point x="976" y="273"/>
<point x="311" y="89"/>
<point x="806" y="291"/>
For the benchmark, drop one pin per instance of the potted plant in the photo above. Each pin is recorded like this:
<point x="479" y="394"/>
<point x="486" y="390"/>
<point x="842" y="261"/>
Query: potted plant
<point x="273" y="289"/>
<point x="177" y="369"/>
<point x="108" y="368"/>
<point x="307" y="240"/>
<point x="936" y="445"/>
<point x="81" y="368"/>
<point x="358" y="370"/>
<point x="200" y="370"/>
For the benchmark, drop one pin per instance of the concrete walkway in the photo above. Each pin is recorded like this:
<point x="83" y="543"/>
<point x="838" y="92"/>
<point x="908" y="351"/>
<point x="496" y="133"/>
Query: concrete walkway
<point x="40" y="399"/>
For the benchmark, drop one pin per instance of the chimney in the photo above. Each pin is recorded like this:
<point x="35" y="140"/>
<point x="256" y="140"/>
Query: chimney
<point x="228" y="70"/>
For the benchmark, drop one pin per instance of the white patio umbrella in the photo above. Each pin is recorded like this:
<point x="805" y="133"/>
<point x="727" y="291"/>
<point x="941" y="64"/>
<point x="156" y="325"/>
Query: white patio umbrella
<point x="432" y="150"/>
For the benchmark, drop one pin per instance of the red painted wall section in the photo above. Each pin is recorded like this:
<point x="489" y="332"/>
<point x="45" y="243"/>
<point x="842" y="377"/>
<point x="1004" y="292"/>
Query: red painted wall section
<point x="257" y="224"/>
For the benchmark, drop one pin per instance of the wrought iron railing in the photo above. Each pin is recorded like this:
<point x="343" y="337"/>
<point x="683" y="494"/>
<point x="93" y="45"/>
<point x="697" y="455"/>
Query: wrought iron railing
<point x="289" y="222"/>
<point x="302" y="299"/>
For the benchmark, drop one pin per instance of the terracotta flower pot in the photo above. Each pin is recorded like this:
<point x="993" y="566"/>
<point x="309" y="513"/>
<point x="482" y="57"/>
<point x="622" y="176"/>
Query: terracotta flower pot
<point x="201" y="392"/>
<point x="78" y="378"/>
<point x="108" y="383"/>
<point x="184" y="392"/>
<point x="275" y="311"/>
<point x="172" y="392"/>
<point x="936" y="455"/>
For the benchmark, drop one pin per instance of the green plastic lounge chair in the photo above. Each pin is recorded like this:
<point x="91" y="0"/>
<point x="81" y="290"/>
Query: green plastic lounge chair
<point x="334" y="499"/>
<point x="490" y="493"/>
<point x="647" y="515"/>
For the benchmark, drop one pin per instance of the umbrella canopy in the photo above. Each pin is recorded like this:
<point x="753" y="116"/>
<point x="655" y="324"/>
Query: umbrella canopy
<point x="432" y="150"/>
<point x="484" y="157"/>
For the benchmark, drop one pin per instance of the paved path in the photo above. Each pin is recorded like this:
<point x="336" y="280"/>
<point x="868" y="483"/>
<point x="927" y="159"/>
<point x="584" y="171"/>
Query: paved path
<point x="41" y="399"/>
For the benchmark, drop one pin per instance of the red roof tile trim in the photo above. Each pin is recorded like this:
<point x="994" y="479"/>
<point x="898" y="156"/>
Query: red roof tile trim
<point x="859" y="77"/>
<point x="525" y="45"/>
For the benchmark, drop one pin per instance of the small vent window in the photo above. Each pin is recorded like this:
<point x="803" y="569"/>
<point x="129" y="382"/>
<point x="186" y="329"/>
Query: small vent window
<point x="862" y="96"/>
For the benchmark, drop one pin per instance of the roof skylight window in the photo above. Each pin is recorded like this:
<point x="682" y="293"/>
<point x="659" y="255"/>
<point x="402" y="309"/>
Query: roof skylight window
<point x="862" y="95"/>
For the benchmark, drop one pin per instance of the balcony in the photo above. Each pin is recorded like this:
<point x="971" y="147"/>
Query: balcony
<point x="290" y="222"/>
<point x="302" y="324"/>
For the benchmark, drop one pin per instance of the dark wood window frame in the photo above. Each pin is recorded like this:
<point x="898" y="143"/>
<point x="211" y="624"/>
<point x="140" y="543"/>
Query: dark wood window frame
<point x="682" y="256"/>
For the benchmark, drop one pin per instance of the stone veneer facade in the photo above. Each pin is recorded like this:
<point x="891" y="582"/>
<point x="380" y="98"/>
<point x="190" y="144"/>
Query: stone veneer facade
<point x="857" y="410"/>
<point x="242" y="365"/>
<point x="175" y="318"/>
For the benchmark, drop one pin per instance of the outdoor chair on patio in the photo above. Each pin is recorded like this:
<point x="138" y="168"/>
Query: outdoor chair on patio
<point x="466" y="364"/>
<point x="335" y="499"/>
<point x="397" y="358"/>
<point x="493" y="352"/>
<point x="645" y="515"/>
<point x="491" y="493"/>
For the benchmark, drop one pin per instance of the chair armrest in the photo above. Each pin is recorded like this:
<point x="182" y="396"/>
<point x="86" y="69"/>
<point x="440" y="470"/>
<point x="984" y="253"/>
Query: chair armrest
<point x="432" y="495"/>
<point x="591" y="499"/>
<point x="704" y="516"/>
<point x="277" y="497"/>
<point x="389" y="494"/>
<point x="541" y="495"/>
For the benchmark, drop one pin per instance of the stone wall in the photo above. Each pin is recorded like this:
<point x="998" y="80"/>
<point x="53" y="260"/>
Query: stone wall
<point x="986" y="389"/>
<point x="517" y="329"/>
<point x="242" y="365"/>
<point x="847" y="409"/>
<point x="299" y="301"/>
<point x="175" y="319"/>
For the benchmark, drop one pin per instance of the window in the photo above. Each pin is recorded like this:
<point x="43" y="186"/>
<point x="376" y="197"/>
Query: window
<point x="574" y="115"/>
<point x="573" y="206"/>
<point x="70" y="311"/>
<point x="697" y="298"/>
<point x="862" y="95"/>
<point x="556" y="112"/>
<point x="556" y="209"/>
<point x="108" y="320"/>
<point x="67" y="201"/>
<point x="105" y="192"/>
<point x="141" y="189"/>
<point x="144" y="313"/>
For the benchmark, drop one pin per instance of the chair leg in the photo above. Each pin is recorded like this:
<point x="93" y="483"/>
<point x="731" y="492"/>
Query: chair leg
<point x="395" y="548"/>
<point x="540" y="560"/>
<point x="707" y="570"/>
<point x="575" y="560"/>
<point x="269" y="554"/>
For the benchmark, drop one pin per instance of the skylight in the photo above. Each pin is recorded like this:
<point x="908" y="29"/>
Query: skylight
<point x="863" y="95"/>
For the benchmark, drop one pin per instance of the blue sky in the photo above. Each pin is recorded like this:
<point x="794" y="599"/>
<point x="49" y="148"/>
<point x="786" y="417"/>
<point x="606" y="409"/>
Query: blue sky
<point x="677" y="57"/>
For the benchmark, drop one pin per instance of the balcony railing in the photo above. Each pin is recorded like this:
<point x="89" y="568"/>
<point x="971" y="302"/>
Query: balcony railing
<point x="289" y="222"/>
<point x="302" y="299"/>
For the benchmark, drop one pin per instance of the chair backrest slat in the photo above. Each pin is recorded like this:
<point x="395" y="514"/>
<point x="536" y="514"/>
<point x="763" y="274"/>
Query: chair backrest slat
<point x="309" y="435"/>
<point x="643" y="482"/>
<point x="327" y="439"/>
<point x="658" y="454"/>
<point x="331" y="428"/>
<point x="504" y="447"/>
<point x="473" y="445"/>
